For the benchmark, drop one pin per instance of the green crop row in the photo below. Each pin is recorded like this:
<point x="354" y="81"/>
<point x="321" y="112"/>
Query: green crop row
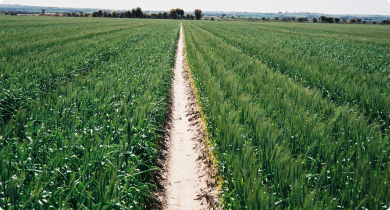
<point x="91" y="142"/>
<point x="335" y="65"/>
<point x="280" y="144"/>
<point x="26" y="77"/>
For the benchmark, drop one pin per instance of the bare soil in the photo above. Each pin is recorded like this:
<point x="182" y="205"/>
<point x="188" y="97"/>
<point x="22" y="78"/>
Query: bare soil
<point x="187" y="178"/>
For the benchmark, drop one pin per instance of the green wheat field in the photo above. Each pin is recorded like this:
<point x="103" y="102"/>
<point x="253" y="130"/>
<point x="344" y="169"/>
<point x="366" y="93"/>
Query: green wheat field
<point x="298" y="114"/>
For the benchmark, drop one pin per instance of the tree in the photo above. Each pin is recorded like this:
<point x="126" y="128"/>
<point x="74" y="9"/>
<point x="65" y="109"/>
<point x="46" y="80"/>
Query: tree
<point x="100" y="13"/>
<point x="165" y="15"/>
<point x="180" y="13"/>
<point x="43" y="11"/>
<point x="198" y="14"/>
<point x="128" y="14"/>
<point x="176" y="13"/>
<point x="94" y="14"/>
<point x="109" y="14"/>
<point x="81" y="13"/>
<point x="315" y="20"/>
<point x="293" y="18"/>
<point x="115" y="14"/>
<point x="172" y="14"/>
<point x="159" y="15"/>
<point x="359" y="20"/>
<point x="105" y="13"/>
<point x="137" y="13"/>
<point x="223" y="15"/>
<point x="353" y="21"/>
<point x="6" y="13"/>
<point x="276" y="18"/>
<point x="337" y="20"/>
<point x="263" y="18"/>
<point x="374" y="22"/>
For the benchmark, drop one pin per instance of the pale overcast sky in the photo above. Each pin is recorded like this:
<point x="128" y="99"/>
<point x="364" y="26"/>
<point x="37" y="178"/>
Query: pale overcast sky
<point x="381" y="7"/>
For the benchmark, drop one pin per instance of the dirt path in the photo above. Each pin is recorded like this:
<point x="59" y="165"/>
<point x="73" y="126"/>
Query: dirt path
<point x="188" y="184"/>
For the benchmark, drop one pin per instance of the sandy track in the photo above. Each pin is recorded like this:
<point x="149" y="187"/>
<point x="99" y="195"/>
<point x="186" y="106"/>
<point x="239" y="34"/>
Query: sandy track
<point x="187" y="174"/>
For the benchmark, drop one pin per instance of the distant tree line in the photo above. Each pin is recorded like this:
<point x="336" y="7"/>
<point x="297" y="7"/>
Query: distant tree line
<point x="325" y="19"/>
<point x="9" y="13"/>
<point x="134" y="13"/>
<point x="138" y="13"/>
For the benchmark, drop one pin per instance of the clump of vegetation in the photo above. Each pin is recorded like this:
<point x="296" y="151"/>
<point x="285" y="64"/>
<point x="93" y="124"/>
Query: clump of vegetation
<point x="286" y="19"/>
<point x="198" y="14"/>
<point x="385" y="22"/>
<point x="303" y="19"/>
<point x="325" y="19"/>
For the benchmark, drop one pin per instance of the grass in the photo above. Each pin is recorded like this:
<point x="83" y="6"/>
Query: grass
<point x="283" y="143"/>
<point x="87" y="116"/>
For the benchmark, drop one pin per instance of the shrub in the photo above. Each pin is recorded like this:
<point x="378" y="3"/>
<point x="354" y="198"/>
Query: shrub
<point x="374" y="22"/>
<point x="263" y="18"/>
<point x="286" y="19"/>
<point x="353" y="21"/>
<point x="276" y="18"/>
<point x="325" y="19"/>
<point x="6" y="13"/>
<point x="212" y="19"/>
<point x="303" y="19"/>
<point x="364" y="22"/>
<point x="385" y="22"/>
<point x="359" y="20"/>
